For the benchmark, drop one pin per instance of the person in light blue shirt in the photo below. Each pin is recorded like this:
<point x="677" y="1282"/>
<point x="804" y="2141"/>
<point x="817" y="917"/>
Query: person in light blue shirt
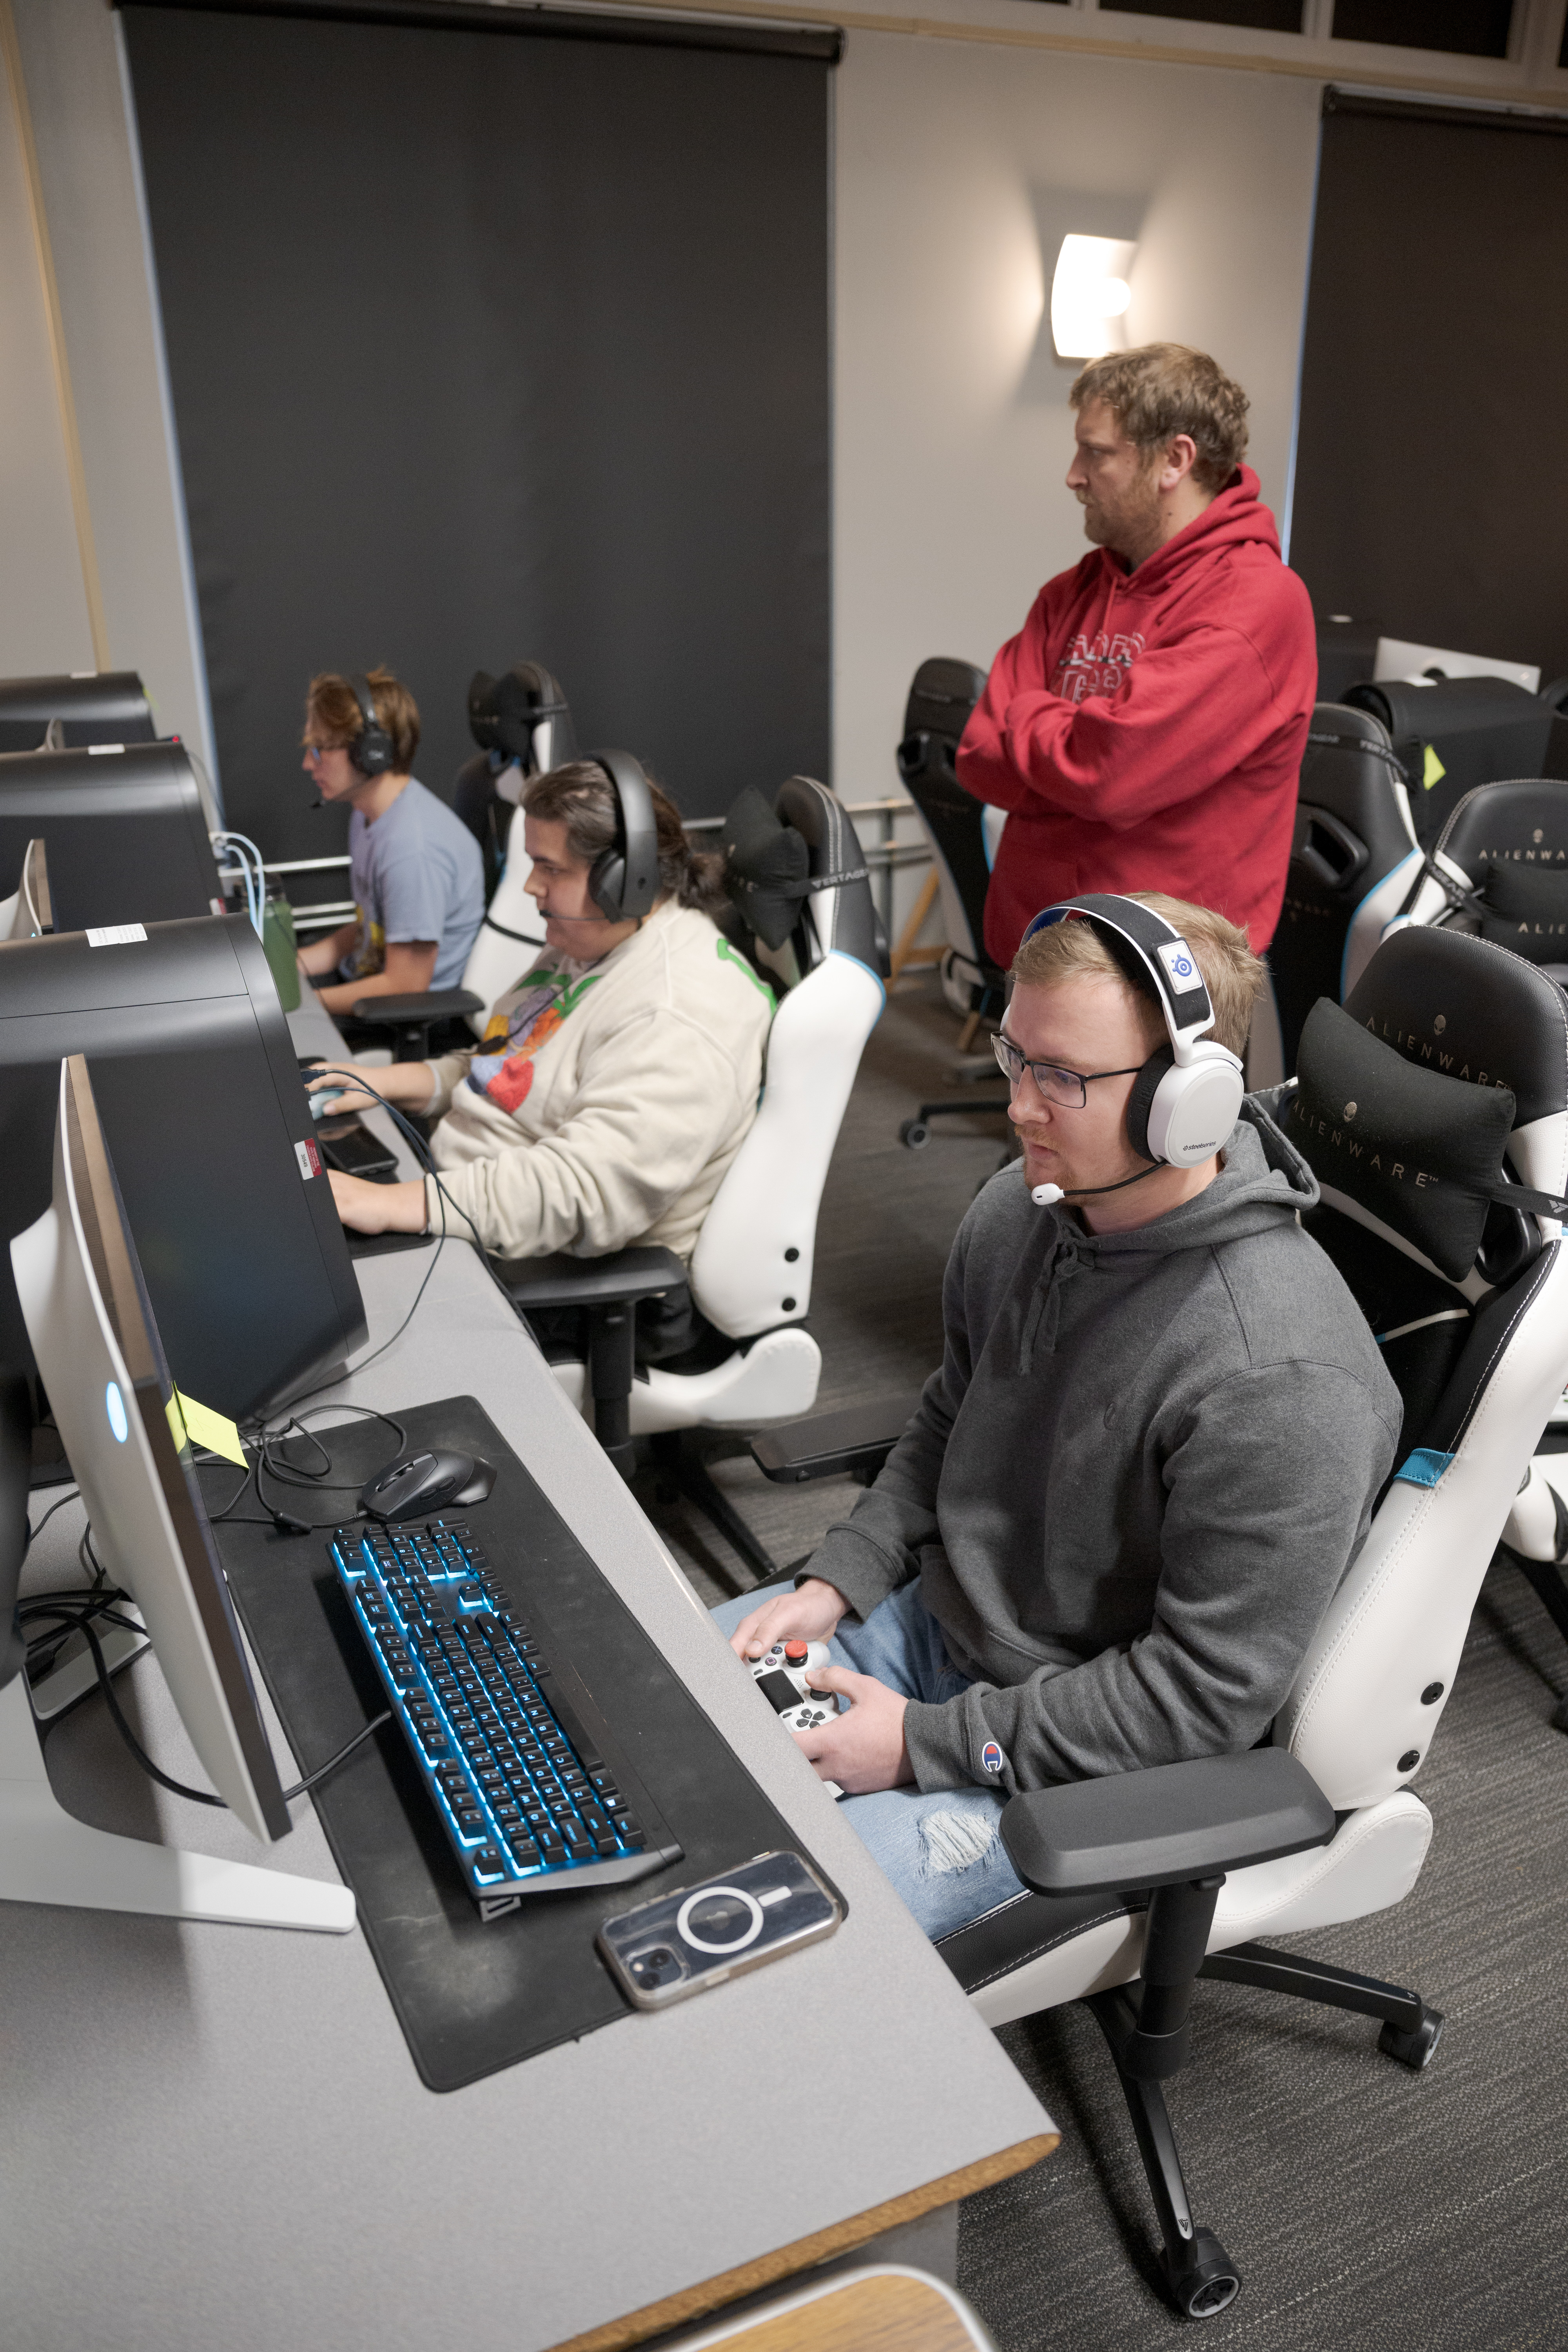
<point x="416" y="873"/>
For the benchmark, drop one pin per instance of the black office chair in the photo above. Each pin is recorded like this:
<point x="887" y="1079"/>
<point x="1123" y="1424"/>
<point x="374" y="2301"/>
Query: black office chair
<point x="523" y="728"/>
<point x="1450" y="734"/>
<point x="943" y="694"/>
<point x="1353" y="857"/>
<point x="1143" y="1882"/>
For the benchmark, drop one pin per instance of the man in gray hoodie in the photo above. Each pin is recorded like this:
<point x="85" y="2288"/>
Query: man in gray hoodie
<point x="1110" y="1531"/>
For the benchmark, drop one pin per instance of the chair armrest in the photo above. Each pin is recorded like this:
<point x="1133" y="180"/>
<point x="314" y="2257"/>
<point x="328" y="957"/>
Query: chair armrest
<point x="563" y="1281"/>
<point x="856" y="1440"/>
<point x="441" y="1005"/>
<point x="1167" y="1826"/>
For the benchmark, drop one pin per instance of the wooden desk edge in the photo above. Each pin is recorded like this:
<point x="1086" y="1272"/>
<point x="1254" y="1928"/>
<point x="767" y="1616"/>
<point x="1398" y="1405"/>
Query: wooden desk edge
<point x="694" y="2301"/>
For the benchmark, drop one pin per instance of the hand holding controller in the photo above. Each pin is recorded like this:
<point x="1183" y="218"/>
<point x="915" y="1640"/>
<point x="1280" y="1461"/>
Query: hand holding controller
<point x="781" y="1676"/>
<point x="781" y="1671"/>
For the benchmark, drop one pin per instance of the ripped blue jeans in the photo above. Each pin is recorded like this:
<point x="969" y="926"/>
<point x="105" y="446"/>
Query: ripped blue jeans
<point x="939" y="1846"/>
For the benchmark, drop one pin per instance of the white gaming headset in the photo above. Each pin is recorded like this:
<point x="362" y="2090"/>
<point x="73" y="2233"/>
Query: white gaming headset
<point x="1187" y="1096"/>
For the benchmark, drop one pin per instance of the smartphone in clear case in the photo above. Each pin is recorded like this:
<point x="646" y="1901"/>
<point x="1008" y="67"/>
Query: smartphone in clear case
<point x="700" y="1936"/>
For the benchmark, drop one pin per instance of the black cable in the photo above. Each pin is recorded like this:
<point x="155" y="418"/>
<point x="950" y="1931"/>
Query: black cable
<point x="423" y="1151"/>
<point x="100" y="1665"/>
<point x="48" y="1515"/>
<point x="81" y="1622"/>
<point x="333" y="1762"/>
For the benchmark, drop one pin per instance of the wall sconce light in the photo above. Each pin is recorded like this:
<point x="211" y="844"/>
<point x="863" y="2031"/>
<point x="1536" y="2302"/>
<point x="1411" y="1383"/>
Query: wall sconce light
<point x="1090" y="295"/>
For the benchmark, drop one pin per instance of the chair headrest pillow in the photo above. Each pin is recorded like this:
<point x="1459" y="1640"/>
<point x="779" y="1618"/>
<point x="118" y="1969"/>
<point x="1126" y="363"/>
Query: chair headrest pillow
<point x="766" y="868"/>
<point x="1422" y="1151"/>
<point x="1527" y="910"/>
<point x="1462" y="1008"/>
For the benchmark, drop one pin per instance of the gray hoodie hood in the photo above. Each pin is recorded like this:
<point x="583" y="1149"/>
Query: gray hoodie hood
<point x="1133" y="1487"/>
<point x="1263" y="1179"/>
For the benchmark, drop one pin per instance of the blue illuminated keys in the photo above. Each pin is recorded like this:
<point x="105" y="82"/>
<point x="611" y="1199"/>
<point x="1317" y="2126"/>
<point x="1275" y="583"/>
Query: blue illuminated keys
<point x="512" y="1755"/>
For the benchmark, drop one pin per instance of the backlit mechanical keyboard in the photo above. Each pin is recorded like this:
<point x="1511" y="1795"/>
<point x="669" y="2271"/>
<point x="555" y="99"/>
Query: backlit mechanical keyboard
<point x="513" y="1751"/>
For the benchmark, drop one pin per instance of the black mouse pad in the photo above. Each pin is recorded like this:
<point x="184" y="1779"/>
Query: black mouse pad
<point x="473" y="1997"/>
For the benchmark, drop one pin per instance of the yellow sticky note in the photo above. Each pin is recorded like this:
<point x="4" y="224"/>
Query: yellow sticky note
<point x="1432" y="768"/>
<point x="177" y="1420"/>
<point x="210" y="1429"/>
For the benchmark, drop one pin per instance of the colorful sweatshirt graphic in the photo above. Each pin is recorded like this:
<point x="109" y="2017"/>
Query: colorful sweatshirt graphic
<point x="519" y="1025"/>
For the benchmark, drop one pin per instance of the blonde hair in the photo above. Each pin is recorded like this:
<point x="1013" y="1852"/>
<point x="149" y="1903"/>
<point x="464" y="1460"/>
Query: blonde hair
<point x="1232" y="973"/>
<point x="1162" y="389"/>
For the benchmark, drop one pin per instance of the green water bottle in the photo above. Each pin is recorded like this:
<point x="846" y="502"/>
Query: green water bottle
<point x="278" y="946"/>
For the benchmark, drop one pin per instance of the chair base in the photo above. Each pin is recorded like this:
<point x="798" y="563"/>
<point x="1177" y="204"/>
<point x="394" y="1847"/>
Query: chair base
<point x="681" y="1472"/>
<point x="1200" y="2278"/>
<point x="915" y="1133"/>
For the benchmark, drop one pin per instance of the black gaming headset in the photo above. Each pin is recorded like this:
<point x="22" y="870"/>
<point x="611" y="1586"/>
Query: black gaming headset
<point x="1187" y="1096"/>
<point x="624" y="880"/>
<point x="370" y="751"/>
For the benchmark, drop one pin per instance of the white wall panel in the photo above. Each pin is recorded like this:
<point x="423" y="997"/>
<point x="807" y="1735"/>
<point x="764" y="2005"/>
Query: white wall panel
<point x="956" y="161"/>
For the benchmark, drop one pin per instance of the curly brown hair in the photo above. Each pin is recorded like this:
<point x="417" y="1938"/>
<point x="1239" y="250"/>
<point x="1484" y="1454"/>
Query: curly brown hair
<point x="1162" y="389"/>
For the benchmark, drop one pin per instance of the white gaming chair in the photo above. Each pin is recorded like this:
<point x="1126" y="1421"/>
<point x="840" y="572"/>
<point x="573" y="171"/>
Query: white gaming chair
<point x="751" y="1273"/>
<point x="1324" y="1825"/>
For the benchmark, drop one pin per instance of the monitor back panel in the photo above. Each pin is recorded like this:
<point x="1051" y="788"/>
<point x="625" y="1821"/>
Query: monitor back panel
<point x="109" y="707"/>
<point x="123" y="835"/>
<point x="209" y="1127"/>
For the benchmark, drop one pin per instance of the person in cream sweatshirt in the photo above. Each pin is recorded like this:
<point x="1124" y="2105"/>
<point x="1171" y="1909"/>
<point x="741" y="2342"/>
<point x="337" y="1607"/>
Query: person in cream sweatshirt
<point x="614" y="1083"/>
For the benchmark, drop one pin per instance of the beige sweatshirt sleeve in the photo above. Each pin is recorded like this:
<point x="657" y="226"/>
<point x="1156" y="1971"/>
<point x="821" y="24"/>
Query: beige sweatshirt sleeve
<point x="655" y="1107"/>
<point x="448" y="1072"/>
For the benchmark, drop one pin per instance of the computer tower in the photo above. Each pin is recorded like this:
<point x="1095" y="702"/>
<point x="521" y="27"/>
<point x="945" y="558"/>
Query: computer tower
<point x="123" y="831"/>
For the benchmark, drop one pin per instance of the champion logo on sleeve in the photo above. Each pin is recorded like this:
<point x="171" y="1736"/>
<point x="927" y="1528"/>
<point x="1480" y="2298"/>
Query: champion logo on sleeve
<point x="991" y="1757"/>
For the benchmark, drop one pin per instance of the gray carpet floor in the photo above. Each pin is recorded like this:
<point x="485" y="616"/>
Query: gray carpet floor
<point x="1368" y="2209"/>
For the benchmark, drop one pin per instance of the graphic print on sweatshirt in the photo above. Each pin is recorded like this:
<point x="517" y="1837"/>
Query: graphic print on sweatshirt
<point x="520" y="1026"/>
<point x="1098" y="666"/>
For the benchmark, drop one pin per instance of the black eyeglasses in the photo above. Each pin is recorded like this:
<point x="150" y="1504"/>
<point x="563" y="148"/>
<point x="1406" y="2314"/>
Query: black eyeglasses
<point x="1068" y="1087"/>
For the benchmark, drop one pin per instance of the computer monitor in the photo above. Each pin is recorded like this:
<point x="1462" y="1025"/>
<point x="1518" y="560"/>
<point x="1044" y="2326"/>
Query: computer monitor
<point x="96" y="1340"/>
<point x="123" y="829"/>
<point x="86" y="706"/>
<point x="198" y="1088"/>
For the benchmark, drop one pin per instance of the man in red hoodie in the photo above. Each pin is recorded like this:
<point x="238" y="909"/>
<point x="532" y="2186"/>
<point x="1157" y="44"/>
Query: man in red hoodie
<point x="1145" y="730"/>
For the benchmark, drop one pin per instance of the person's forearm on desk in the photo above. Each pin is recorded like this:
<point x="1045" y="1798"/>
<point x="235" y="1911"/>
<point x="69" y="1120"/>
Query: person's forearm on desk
<point x="378" y="1208"/>
<point x="325" y="955"/>
<point x="411" y="1085"/>
<point x="408" y="971"/>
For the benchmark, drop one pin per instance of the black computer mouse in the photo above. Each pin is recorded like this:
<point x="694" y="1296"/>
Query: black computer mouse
<point x="425" y="1482"/>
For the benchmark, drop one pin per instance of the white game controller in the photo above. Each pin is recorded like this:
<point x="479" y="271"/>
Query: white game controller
<point x="782" y="1670"/>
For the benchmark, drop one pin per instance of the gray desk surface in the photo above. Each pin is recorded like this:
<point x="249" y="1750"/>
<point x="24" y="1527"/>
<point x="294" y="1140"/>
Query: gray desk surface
<point x="215" y="2137"/>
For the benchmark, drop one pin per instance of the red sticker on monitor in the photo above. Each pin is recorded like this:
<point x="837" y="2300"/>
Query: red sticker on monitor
<point x="309" y="1159"/>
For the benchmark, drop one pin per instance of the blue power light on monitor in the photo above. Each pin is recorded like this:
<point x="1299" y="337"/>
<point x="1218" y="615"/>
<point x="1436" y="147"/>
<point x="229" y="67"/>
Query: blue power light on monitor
<point x="114" y="1405"/>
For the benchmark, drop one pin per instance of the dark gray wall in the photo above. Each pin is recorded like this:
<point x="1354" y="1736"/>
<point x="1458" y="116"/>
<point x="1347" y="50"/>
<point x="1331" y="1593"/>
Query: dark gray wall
<point x="486" y="346"/>
<point x="1432" y="475"/>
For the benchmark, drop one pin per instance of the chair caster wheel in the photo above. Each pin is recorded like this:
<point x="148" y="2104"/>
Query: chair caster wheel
<point x="1559" y="1716"/>
<point x="914" y="1135"/>
<point x="1416" y="2048"/>
<point x="1201" y="2279"/>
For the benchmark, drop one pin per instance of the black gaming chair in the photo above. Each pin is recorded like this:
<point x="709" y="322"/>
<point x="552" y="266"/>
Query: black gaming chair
<point x="1499" y="867"/>
<point x="522" y="726"/>
<point x="1353" y="857"/>
<point x="1145" y="1881"/>
<point x="943" y="694"/>
<point x="1450" y="734"/>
